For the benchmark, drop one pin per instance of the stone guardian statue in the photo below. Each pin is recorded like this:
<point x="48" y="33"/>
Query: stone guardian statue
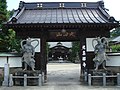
<point x="100" y="52"/>
<point x="28" y="53"/>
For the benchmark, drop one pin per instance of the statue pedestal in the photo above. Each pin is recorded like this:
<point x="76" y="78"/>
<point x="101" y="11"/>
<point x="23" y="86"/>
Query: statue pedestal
<point x="30" y="81"/>
<point x="98" y="77"/>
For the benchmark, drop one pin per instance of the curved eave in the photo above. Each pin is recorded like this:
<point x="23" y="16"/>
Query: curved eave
<point x="104" y="13"/>
<point x="63" y="25"/>
<point x="60" y="47"/>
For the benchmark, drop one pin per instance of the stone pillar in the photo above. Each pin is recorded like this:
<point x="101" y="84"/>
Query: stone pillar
<point x="11" y="80"/>
<point x="40" y="80"/>
<point x="6" y="75"/>
<point x="89" y="79"/>
<point x="85" y="77"/>
<point x="25" y="79"/>
<point x="104" y="79"/>
<point x="118" y="79"/>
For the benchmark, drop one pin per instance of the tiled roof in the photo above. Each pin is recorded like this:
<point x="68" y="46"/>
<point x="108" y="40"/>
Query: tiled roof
<point x="62" y="16"/>
<point x="117" y="39"/>
<point x="54" y="12"/>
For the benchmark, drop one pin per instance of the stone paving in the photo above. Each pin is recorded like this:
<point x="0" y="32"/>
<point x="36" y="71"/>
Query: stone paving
<point x="62" y="76"/>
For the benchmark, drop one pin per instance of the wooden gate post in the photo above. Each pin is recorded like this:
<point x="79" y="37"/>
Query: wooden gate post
<point x="82" y="55"/>
<point x="43" y="54"/>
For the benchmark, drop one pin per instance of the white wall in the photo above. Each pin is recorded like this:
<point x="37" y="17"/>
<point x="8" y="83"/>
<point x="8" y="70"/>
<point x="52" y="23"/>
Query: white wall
<point x="13" y="61"/>
<point x="89" y="46"/>
<point x="37" y="49"/>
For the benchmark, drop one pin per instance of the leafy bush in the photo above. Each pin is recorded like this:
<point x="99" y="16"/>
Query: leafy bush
<point x="115" y="48"/>
<point x="74" y="50"/>
<point x="8" y="42"/>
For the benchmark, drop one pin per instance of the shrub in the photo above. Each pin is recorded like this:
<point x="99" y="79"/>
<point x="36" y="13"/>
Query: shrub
<point x="115" y="48"/>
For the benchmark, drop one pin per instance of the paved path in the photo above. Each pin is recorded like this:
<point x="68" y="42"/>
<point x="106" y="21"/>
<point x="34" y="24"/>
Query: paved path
<point x="62" y="76"/>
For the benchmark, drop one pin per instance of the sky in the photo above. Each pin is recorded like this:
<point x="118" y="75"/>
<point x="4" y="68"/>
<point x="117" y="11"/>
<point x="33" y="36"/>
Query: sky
<point x="112" y="5"/>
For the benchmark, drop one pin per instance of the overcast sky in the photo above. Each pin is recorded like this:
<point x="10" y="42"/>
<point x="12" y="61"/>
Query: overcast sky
<point x="112" y="5"/>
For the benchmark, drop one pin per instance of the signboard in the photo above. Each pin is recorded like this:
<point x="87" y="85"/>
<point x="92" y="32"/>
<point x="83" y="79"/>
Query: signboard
<point x="68" y="35"/>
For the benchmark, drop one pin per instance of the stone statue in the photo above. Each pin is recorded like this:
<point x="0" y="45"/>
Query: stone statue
<point x="100" y="52"/>
<point x="28" y="53"/>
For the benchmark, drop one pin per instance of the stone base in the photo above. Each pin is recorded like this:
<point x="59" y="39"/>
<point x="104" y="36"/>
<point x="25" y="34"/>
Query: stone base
<point x="30" y="81"/>
<point x="28" y="72"/>
<point x="5" y="83"/>
<point x="99" y="80"/>
<point x="101" y="71"/>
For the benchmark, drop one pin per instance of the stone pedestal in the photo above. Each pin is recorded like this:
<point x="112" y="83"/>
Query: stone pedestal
<point x="30" y="81"/>
<point x="99" y="80"/>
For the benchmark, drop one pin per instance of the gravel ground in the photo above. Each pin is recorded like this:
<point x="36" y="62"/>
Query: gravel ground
<point x="63" y="74"/>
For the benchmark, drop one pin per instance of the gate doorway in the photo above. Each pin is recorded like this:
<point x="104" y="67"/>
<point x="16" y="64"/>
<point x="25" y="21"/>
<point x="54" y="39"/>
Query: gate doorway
<point x="63" y="67"/>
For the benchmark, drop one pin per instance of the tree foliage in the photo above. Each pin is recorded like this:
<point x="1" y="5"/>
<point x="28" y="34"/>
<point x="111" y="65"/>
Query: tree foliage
<point x="9" y="13"/>
<point x="115" y="32"/>
<point x="3" y="12"/>
<point x="8" y="42"/>
<point x="115" y="48"/>
<point x="75" y="49"/>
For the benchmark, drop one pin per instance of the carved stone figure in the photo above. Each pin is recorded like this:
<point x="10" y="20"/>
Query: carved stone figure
<point x="28" y="53"/>
<point x="100" y="52"/>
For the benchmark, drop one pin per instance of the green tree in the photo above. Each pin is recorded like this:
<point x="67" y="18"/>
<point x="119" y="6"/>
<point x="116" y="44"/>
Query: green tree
<point x="115" y="48"/>
<point x="10" y="13"/>
<point x="75" y="49"/>
<point x="3" y="12"/>
<point x="8" y="42"/>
